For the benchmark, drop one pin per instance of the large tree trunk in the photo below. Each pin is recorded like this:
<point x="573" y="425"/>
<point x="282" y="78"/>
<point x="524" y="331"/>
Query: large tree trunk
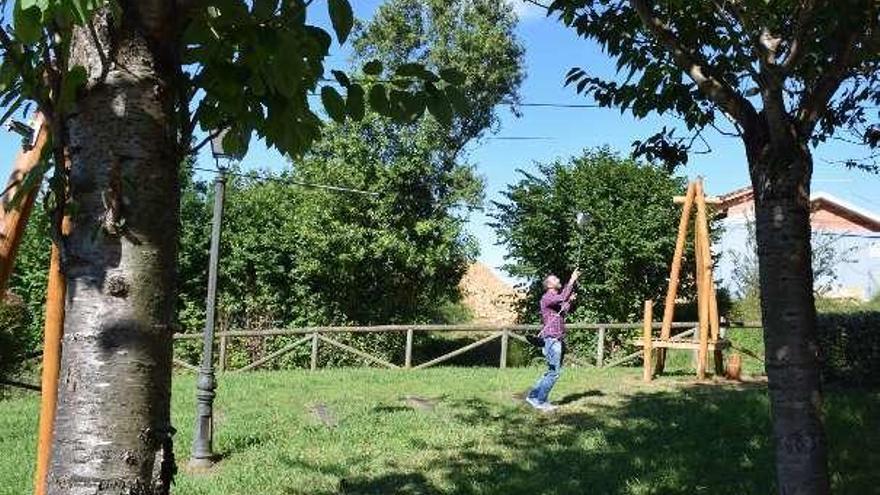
<point x="781" y="181"/>
<point x="112" y="429"/>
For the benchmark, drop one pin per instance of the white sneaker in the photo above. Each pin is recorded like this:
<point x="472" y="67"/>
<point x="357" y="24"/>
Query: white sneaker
<point x="548" y="407"/>
<point x="534" y="403"/>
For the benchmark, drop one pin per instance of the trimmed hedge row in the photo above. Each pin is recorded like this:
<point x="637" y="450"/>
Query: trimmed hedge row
<point x="849" y="346"/>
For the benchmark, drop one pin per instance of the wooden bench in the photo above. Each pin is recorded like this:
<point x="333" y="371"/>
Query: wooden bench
<point x="718" y="345"/>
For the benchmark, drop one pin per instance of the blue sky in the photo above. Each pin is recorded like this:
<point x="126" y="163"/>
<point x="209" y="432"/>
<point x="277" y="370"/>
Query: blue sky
<point x="552" y="49"/>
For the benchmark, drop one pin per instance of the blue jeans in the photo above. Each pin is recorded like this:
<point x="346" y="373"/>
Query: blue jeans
<point x="553" y="353"/>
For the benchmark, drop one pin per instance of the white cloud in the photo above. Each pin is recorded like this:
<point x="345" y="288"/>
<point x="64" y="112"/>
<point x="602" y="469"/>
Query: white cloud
<point x="526" y="11"/>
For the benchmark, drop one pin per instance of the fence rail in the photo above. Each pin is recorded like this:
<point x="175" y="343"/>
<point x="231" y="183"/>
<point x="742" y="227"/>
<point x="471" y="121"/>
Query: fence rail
<point x="317" y="335"/>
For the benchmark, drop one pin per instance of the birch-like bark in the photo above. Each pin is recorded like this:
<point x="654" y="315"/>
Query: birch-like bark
<point x="112" y="428"/>
<point x="781" y="182"/>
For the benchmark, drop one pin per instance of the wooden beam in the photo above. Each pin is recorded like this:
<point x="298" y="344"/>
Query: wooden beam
<point x="704" y="274"/>
<point x="185" y="365"/>
<point x="504" y="344"/>
<point x="358" y="352"/>
<point x="481" y="328"/>
<point x="15" y="219"/>
<point x="711" y="200"/>
<point x="53" y="329"/>
<point x="313" y="363"/>
<point x="407" y="358"/>
<point x="683" y="344"/>
<point x="648" y="367"/>
<point x="675" y="273"/>
<point x="278" y="353"/>
<point x="458" y="351"/>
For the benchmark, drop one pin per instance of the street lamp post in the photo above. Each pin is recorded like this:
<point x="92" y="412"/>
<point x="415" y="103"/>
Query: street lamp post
<point x="202" y="451"/>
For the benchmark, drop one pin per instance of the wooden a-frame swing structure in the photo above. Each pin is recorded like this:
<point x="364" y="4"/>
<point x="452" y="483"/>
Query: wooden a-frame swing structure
<point x="707" y="336"/>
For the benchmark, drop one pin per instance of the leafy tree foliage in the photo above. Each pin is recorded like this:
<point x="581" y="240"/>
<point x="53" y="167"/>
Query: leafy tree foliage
<point x="297" y="256"/>
<point x="474" y="37"/>
<point x="623" y="252"/>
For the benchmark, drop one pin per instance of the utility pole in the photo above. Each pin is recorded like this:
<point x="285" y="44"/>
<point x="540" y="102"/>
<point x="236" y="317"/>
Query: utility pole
<point x="206" y="384"/>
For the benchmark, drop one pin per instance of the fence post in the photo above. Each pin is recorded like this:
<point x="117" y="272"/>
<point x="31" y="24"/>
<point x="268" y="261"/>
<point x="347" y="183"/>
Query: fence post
<point x="222" y="364"/>
<point x="600" y="348"/>
<point x="505" y="338"/>
<point x="648" y="372"/>
<point x="407" y="358"/>
<point x="314" y="363"/>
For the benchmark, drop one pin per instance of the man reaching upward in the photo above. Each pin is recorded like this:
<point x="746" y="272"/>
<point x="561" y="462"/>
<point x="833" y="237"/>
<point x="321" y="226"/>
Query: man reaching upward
<point x="555" y="304"/>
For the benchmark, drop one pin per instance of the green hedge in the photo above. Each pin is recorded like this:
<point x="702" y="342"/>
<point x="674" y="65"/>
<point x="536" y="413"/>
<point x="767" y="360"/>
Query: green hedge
<point x="850" y="347"/>
<point x="15" y="342"/>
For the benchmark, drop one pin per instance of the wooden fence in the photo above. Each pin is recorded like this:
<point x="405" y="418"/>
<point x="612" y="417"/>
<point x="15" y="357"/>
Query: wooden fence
<point x="315" y="336"/>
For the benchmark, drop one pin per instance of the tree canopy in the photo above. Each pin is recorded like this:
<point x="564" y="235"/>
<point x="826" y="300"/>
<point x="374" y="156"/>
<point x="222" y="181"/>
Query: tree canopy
<point x="732" y="65"/>
<point x="623" y="252"/>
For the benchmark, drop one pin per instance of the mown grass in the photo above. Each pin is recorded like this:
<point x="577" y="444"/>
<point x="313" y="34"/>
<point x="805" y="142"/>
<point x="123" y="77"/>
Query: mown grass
<point x="464" y="430"/>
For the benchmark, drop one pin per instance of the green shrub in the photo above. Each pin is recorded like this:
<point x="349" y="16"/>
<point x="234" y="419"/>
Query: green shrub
<point x="849" y="346"/>
<point x="15" y="341"/>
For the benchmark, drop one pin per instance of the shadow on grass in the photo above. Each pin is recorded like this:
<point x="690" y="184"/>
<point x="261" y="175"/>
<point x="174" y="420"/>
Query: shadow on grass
<point x="699" y="439"/>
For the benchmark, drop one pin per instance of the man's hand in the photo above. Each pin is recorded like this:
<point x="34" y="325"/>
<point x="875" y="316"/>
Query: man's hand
<point x="572" y="297"/>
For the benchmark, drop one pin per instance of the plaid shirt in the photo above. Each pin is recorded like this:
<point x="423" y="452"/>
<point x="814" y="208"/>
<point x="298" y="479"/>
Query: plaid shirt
<point x="554" y="306"/>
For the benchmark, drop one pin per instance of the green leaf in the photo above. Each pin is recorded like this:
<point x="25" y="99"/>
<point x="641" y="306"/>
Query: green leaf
<point x="264" y="10"/>
<point x="456" y="98"/>
<point x="341" y="17"/>
<point x="235" y="142"/>
<point x="333" y="103"/>
<point x="74" y="79"/>
<point x="410" y="70"/>
<point x="440" y="108"/>
<point x="81" y="9"/>
<point x="373" y="68"/>
<point x="28" y="24"/>
<point x="355" y="103"/>
<point x="341" y="77"/>
<point x="452" y="76"/>
<point x="379" y="100"/>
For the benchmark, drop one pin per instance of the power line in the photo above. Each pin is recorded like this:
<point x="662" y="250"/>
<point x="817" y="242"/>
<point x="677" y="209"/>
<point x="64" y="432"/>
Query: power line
<point x="530" y="104"/>
<point x="292" y="182"/>
<point x="561" y="105"/>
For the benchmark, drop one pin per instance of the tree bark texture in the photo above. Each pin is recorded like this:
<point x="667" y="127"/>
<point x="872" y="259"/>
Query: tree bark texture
<point x="780" y="173"/>
<point x="112" y="428"/>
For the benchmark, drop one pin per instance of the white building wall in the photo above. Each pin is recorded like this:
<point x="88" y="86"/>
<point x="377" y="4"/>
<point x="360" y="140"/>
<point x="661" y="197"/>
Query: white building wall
<point x="858" y="279"/>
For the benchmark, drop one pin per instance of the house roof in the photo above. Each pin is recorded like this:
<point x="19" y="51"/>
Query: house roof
<point x="818" y="200"/>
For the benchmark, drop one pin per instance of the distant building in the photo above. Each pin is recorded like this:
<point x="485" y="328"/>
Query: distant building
<point x="854" y="230"/>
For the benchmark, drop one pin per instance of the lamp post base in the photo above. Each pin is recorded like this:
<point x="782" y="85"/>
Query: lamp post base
<point x="201" y="463"/>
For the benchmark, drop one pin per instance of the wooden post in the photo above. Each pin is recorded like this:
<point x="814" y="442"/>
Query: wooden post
<point x="714" y="320"/>
<point x="54" y="328"/>
<point x="704" y="274"/>
<point x="675" y="273"/>
<point x="647" y="324"/>
<point x="505" y="338"/>
<point x="314" y="362"/>
<point x="407" y="359"/>
<point x="221" y="366"/>
<point x="15" y="219"/>
<point x="600" y="348"/>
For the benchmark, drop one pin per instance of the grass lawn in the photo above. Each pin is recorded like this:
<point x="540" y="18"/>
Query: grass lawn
<point x="460" y="430"/>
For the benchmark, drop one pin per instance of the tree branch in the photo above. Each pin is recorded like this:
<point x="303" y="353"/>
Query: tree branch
<point x="796" y="48"/>
<point x="814" y="102"/>
<point x="696" y="68"/>
<point x="211" y="135"/>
